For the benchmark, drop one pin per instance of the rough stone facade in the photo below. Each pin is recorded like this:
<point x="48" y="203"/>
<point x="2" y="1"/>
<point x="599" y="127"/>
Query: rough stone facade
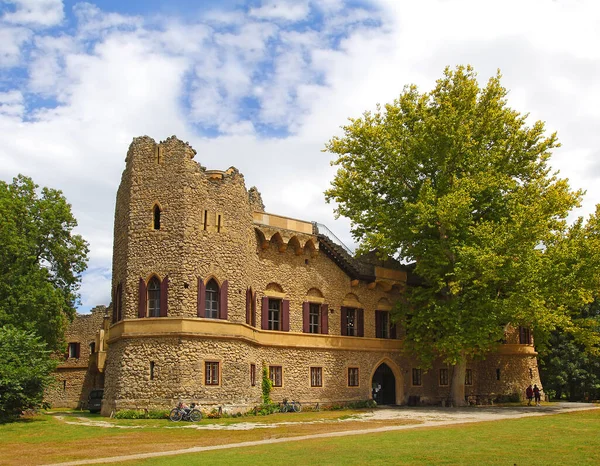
<point x="188" y="240"/>
<point x="78" y="373"/>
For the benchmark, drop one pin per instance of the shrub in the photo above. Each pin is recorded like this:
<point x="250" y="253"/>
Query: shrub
<point x="266" y="386"/>
<point x="25" y="367"/>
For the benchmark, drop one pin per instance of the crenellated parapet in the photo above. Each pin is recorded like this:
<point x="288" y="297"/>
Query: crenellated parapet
<point x="286" y="233"/>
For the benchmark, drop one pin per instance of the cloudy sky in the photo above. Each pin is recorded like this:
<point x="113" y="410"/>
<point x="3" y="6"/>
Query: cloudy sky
<point x="263" y="84"/>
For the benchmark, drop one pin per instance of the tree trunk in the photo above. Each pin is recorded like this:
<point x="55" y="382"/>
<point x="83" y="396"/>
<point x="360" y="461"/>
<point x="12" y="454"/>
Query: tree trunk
<point x="457" y="389"/>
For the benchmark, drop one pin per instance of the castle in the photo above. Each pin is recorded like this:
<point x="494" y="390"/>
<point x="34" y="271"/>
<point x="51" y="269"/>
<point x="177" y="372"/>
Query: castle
<point x="208" y="289"/>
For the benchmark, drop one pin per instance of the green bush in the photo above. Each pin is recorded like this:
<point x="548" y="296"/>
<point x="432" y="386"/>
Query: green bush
<point x="25" y="367"/>
<point x="266" y="386"/>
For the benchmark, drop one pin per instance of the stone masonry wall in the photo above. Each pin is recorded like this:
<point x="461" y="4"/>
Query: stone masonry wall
<point x="74" y="379"/>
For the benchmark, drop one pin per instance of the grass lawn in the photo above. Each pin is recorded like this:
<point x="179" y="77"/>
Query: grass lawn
<point x="561" y="439"/>
<point x="46" y="438"/>
<point x="564" y="439"/>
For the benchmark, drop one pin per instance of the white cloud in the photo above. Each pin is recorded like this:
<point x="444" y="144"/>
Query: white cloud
<point x="288" y="10"/>
<point x="12" y="40"/>
<point x="35" y="13"/>
<point x="11" y="104"/>
<point x="92" y="20"/>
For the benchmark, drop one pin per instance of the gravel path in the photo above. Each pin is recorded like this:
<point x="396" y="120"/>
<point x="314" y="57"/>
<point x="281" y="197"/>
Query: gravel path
<point x="429" y="417"/>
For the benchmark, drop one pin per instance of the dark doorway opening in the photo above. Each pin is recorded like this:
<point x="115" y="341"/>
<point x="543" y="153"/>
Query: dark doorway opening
<point x="384" y="385"/>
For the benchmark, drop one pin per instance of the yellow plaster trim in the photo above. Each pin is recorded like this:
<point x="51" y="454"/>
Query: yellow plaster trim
<point x="274" y="294"/>
<point x="176" y="327"/>
<point x="315" y="299"/>
<point x="351" y="303"/>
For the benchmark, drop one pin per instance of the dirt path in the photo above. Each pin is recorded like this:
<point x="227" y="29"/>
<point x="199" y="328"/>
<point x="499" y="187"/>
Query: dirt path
<point x="430" y="417"/>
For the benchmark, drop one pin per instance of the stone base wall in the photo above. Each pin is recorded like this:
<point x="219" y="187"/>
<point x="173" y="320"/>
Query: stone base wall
<point x="72" y="387"/>
<point x="178" y="374"/>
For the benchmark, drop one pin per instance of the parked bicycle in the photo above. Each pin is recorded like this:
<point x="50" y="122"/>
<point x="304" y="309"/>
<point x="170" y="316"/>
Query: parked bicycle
<point x="183" y="412"/>
<point x="289" y="406"/>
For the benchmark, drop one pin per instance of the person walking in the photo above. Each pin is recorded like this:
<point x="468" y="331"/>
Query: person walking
<point x="537" y="396"/>
<point x="529" y="394"/>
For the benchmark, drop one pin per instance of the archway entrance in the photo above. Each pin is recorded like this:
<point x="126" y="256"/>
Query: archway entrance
<point x="384" y="385"/>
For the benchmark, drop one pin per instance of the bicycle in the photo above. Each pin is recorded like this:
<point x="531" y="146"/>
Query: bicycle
<point x="289" y="406"/>
<point x="181" y="412"/>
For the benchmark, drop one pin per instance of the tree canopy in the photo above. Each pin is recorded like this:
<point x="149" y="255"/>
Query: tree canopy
<point x="459" y="183"/>
<point x="41" y="260"/>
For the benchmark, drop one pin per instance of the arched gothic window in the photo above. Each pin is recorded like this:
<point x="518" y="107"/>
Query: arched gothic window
<point x="212" y="300"/>
<point x="154" y="297"/>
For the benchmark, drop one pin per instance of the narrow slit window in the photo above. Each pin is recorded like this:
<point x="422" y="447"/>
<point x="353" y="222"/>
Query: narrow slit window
<point x="156" y="217"/>
<point x="151" y="370"/>
<point x="497" y="374"/>
<point x="218" y="224"/>
<point x="205" y="220"/>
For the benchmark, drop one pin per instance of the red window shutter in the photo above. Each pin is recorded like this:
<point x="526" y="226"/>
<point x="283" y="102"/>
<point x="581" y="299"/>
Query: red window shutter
<point x="77" y="350"/>
<point x="305" y="308"/>
<point x="264" y="315"/>
<point x="223" y="300"/>
<point x="248" y="306"/>
<point x="324" y="319"/>
<point x="361" y="322"/>
<point x="164" y="294"/>
<point x="142" y="299"/>
<point x="393" y="332"/>
<point x="119" y="302"/>
<point x="253" y="308"/>
<point x="377" y="324"/>
<point x="344" y="321"/>
<point x="285" y="315"/>
<point x="201" y="298"/>
<point x="114" y="304"/>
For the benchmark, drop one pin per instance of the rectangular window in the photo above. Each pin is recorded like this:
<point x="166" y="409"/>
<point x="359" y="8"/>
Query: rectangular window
<point x="314" y="318"/>
<point x="351" y="329"/>
<point x="252" y="375"/>
<point x="275" y="376"/>
<point x="416" y="377"/>
<point x="382" y="324"/>
<point x="92" y="347"/>
<point x="274" y="314"/>
<point x="497" y="374"/>
<point x="524" y="336"/>
<point x="211" y="373"/>
<point x="73" y="351"/>
<point x="316" y="376"/>
<point x="469" y="377"/>
<point x="353" y="376"/>
<point x="443" y="376"/>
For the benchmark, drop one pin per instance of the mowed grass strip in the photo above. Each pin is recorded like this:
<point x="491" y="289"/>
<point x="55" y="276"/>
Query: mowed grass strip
<point x="47" y="439"/>
<point x="561" y="439"/>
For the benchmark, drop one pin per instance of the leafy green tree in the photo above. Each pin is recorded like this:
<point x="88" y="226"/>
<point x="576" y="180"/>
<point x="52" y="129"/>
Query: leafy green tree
<point x="25" y="367"/>
<point x="41" y="260"/>
<point x="456" y="181"/>
<point x="569" y="367"/>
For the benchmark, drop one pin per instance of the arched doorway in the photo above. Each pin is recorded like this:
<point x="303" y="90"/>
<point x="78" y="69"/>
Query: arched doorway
<point x="384" y="385"/>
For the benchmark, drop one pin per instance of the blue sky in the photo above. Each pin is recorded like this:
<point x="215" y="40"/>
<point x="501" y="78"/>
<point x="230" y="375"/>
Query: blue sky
<point x="262" y="85"/>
